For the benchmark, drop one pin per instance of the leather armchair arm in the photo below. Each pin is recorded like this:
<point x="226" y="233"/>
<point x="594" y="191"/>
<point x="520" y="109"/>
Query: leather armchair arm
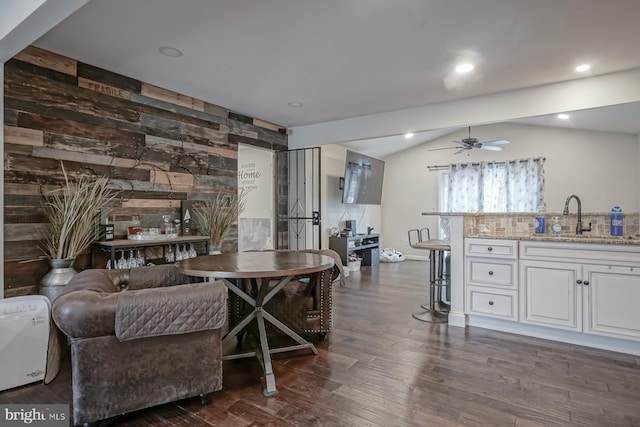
<point x="87" y="306"/>
<point x="85" y="313"/>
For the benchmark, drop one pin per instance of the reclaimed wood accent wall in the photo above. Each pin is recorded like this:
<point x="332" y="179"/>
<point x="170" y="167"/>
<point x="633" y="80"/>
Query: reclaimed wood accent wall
<point x="159" y="147"/>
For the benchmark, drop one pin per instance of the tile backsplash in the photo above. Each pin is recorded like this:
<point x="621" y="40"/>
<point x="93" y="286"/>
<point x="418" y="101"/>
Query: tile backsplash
<point x="523" y="224"/>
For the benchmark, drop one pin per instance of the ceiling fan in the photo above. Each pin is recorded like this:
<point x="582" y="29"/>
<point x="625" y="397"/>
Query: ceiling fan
<point x="469" y="143"/>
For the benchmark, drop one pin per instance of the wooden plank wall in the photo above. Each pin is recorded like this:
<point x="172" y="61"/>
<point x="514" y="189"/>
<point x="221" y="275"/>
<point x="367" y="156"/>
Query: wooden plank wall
<point x="158" y="146"/>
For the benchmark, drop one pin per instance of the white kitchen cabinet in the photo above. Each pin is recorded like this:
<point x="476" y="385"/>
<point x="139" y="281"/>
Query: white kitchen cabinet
<point x="491" y="248"/>
<point x="550" y="294"/>
<point x="491" y="278"/>
<point x="612" y="299"/>
<point x="581" y="287"/>
<point x="491" y="302"/>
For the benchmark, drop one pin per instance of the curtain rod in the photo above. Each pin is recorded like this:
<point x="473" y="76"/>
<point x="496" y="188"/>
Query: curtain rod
<point x="434" y="168"/>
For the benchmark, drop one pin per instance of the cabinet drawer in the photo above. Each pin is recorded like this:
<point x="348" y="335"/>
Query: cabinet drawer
<point x="489" y="302"/>
<point x="497" y="248"/>
<point x="491" y="273"/>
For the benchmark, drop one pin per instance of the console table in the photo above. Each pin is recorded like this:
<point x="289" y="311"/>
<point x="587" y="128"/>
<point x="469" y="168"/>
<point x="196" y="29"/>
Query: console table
<point x="366" y="246"/>
<point x="120" y="245"/>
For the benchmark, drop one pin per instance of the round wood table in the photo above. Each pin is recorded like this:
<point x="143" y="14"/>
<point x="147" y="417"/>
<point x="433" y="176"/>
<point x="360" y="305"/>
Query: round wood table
<point x="258" y="269"/>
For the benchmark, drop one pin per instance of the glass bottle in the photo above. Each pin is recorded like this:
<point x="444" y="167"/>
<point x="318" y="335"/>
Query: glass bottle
<point x="167" y="227"/>
<point x="135" y="228"/>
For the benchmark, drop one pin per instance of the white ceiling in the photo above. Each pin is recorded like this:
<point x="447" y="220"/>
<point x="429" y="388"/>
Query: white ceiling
<point x="348" y="58"/>
<point x="621" y="118"/>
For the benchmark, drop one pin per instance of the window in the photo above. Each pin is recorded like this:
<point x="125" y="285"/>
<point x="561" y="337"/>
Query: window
<point x="513" y="186"/>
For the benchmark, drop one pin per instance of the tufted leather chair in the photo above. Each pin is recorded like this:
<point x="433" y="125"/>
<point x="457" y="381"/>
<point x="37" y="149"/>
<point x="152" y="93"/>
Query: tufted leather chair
<point x="139" y="338"/>
<point x="304" y="304"/>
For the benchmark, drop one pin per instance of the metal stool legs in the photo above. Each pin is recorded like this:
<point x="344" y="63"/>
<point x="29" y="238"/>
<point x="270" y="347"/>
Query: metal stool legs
<point x="444" y="275"/>
<point x="435" y="313"/>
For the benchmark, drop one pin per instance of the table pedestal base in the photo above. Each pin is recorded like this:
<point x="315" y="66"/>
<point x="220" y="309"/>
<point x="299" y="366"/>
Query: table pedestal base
<point x="259" y="314"/>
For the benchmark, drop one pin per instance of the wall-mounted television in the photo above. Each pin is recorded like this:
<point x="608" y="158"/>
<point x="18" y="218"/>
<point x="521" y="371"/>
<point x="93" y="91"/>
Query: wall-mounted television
<point x="363" y="177"/>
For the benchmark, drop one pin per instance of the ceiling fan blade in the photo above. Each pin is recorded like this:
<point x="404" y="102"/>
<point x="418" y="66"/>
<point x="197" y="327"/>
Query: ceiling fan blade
<point x="490" y="147"/>
<point x="462" y="150"/>
<point x="445" y="148"/>
<point x="495" y="142"/>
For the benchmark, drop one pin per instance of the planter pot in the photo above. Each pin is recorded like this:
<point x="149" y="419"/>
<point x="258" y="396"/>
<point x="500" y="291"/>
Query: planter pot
<point x="60" y="273"/>
<point x="214" y="249"/>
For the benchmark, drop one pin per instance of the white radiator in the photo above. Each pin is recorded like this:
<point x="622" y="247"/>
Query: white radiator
<point x="24" y="335"/>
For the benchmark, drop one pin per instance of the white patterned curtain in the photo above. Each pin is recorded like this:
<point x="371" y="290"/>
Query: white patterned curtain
<point x="513" y="186"/>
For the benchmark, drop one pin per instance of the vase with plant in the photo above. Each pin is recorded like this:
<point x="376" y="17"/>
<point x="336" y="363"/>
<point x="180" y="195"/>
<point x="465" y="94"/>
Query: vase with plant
<point x="214" y="217"/>
<point x="71" y="213"/>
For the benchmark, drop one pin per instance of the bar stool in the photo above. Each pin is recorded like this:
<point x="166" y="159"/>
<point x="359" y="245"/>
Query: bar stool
<point x="436" y="311"/>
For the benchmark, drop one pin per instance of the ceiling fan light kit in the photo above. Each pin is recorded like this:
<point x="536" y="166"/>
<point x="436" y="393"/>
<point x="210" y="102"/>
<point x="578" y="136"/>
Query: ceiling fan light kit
<point x="470" y="143"/>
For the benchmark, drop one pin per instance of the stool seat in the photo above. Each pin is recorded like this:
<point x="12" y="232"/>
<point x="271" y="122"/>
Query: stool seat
<point x="433" y="244"/>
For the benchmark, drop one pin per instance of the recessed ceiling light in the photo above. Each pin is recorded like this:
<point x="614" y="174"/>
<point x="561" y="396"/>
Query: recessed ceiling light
<point x="170" y="51"/>
<point x="582" y="68"/>
<point x="563" y="116"/>
<point x="295" y="104"/>
<point x="408" y="135"/>
<point x="464" y="68"/>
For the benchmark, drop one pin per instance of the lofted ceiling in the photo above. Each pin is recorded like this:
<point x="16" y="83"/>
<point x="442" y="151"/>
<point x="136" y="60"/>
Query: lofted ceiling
<point x="348" y="58"/>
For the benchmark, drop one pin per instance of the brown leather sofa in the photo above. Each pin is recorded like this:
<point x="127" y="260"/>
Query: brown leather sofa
<point x="139" y="338"/>
<point x="304" y="304"/>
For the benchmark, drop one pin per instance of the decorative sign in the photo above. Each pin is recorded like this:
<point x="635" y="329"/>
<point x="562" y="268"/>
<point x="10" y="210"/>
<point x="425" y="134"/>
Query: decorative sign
<point x="249" y="176"/>
<point x="255" y="174"/>
<point x="103" y="88"/>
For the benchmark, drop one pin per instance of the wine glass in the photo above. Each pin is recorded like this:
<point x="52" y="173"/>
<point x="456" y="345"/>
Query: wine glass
<point x="140" y="257"/>
<point x="122" y="262"/>
<point x="168" y="254"/>
<point x="132" y="262"/>
<point x="192" y="251"/>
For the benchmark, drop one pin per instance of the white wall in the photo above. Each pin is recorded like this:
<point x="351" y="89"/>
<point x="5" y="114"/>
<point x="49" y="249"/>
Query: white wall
<point x="334" y="212"/>
<point x="601" y="168"/>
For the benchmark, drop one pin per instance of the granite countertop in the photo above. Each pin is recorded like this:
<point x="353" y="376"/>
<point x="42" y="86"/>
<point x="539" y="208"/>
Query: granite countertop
<point x="568" y="238"/>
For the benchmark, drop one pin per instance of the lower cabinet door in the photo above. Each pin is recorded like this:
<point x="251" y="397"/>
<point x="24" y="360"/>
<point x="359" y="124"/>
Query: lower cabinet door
<point x="550" y="294"/>
<point x="613" y="299"/>
<point x="492" y="302"/>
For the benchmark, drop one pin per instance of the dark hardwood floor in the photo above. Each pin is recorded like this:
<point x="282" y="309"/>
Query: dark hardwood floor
<point x="381" y="367"/>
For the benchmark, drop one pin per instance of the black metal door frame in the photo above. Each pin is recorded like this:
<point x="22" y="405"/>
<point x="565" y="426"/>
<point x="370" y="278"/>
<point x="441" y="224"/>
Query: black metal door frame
<point x="298" y="201"/>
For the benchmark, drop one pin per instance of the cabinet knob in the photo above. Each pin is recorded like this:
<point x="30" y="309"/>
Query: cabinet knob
<point x="489" y="248"/>
<point x="579" y="282"/>
<point x="490" y="302"/>
<point x="490" y="273"/>
<point x="586" y="283"/>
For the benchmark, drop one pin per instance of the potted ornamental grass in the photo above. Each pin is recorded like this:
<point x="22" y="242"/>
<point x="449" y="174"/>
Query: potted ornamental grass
<point x="71" y="213"/>
<point x="214" y="217"/>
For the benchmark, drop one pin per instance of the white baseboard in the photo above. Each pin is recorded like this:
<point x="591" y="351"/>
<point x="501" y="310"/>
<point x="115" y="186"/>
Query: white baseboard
<point x="570" y="337"/>
<point x="457" y="319"/>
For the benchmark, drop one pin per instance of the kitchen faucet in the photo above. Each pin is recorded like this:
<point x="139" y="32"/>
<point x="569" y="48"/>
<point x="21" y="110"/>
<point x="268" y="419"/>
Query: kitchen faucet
<point x="579" y="228"/>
